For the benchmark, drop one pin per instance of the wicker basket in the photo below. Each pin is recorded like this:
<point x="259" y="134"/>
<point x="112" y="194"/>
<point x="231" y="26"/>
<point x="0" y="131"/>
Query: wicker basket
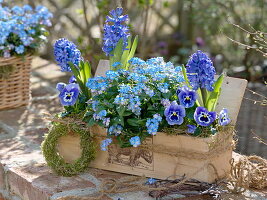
<point x="15" y="90"/>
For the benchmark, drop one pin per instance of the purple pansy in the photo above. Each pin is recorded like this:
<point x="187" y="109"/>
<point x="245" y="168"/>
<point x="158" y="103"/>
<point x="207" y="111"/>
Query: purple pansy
<point x="191" y="128"/>
<point x="187" y="97"/>
<point x="174" y="114"/>
<point x="203" y="117"/>
<point x="224" y="117"/>
<point x="72" y="79"/>
<point x="68" y="94"/>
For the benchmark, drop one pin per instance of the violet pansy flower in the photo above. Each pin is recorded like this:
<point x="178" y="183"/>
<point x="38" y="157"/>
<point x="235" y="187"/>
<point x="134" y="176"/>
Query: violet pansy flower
<point x="203" y="117"/>
<point x="187" y="97"/>
<point x="224" y="117"/>
<point x="191" y="128"/>
<point x="68" y="94"/>
<point x="174" y="114"/>
<point x="72" y="79"/>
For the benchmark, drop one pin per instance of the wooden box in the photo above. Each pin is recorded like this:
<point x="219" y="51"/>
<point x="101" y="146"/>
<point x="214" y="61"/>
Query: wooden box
<point x="205" y="159"/>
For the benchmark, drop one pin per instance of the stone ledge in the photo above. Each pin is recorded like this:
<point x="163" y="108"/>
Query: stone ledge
<point x="25" y="176"/>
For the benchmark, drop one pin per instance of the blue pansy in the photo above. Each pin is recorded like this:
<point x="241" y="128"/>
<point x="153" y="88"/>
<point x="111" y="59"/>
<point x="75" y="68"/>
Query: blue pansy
<point x="66" y="52"/>
<point x="187" y="97"/>
<point x="105" y="143"/>
<point x="224" y="118"/>
<point x="135" y="141"/>
<point x="200" y="71"/>
<point x="60" y="86"/>
<point x="69" y="94"/>
<point x="72" y="79"/>
<point x="174" y="114"/>
<point x="191" y="128"/>
<point x="114" y="30"/>
<point x="203" y="117"/>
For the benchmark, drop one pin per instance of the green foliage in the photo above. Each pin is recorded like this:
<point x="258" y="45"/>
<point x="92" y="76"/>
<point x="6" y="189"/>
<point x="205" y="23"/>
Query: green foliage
<point x="82" y="74"/>
<point x="215" y="94"/>
<point x="123" y="55"/>
<point x="55" y="161"/>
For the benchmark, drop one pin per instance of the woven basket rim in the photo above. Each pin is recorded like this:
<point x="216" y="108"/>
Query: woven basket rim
<point x="16" y="57"/>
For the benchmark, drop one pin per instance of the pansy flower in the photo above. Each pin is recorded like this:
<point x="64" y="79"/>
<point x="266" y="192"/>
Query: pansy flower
<point x="186" y="97"/>
<point x="191" y="128"/>
<point x="203" y="117"/>
<point x="135" y="141"/>
<point x="224" y="117"/>
<point x="174" y="114"/>
<point x="68" y="93"/>
<point x="72" y="79"/>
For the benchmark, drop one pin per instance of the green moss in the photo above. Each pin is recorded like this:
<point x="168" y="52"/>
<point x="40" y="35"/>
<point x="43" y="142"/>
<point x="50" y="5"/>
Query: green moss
<point x="55" y="161"/>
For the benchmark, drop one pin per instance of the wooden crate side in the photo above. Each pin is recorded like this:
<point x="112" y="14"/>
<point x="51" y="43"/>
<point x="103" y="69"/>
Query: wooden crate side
<point x="233" y="90"/>
<point x="150" y="164"/>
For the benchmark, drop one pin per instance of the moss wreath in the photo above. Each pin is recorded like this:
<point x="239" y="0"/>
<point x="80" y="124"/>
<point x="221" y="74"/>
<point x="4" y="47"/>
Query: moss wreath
<point x="55" y="161"/>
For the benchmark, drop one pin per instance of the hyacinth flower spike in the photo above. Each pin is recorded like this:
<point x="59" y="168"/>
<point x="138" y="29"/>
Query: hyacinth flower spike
<point x="117" y="42"/>
<point x="203" y="117"/>
<point x="174" y="114"/>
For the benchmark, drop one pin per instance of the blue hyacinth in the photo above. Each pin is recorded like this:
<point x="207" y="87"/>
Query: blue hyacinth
<point x="200" y="71"/>
<point x="66" y="52"/>
<point x="114" y="30"/>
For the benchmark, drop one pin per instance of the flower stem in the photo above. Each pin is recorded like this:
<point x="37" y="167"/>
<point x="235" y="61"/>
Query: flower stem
<point x="204" y="96"/>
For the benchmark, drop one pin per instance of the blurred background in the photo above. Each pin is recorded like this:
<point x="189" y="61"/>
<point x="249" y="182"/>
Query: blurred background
<point x="233" y="32"/>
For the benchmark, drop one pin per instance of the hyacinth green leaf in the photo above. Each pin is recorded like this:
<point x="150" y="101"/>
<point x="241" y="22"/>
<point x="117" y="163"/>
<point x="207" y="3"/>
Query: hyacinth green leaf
<point x="79" y="75"/>
<point x="215" y="94"/>
<point x="185" y="76"/>
<point x="124" y="57"/>
<point x="117" y="52"/>
<point x="74" y="70"/>
<point x="132" y="52"/>
<point x="82" y="73"/>
<point x="87" y="71"/>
